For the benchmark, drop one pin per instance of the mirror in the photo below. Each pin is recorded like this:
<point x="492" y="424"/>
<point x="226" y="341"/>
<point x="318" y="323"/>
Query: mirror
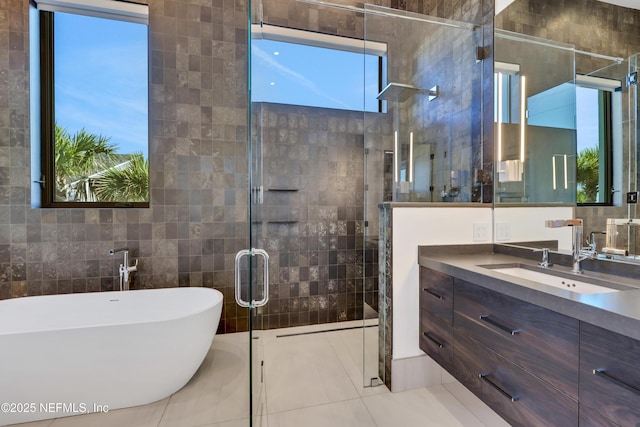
<point x="561" y="97"/>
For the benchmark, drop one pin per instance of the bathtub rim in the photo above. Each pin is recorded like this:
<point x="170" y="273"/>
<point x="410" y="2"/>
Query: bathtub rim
<point x="219" y="300"/>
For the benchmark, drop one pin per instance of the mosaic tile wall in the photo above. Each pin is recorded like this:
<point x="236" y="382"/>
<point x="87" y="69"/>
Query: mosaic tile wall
<point x="311" y="221"/>
<point x="385" y="285"/>
<point x="198" y="130"/>
<point x="197" y="218"/>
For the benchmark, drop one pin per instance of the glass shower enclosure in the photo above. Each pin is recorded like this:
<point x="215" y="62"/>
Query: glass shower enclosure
<point x="319" y="173"/>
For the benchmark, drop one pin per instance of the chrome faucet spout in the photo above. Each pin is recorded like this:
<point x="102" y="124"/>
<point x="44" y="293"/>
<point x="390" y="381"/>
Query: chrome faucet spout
<point x="116" y="250"/>
<point x="124" y="270"/>
<point x="578" y="252"/>
<point x="592" y="239"/>
<point x="545" y="257"/>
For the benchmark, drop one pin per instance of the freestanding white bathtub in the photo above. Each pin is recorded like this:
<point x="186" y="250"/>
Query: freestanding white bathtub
<point x="64" y="355"/>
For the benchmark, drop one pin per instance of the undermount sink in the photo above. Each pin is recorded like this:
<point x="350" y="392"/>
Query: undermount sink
<point x="553" y="278"/>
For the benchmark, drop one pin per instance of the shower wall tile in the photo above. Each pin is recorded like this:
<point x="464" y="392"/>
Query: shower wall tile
<point x="197" y="137"/>
<point x="197" y="218"/>
<point x="311" y="221"/>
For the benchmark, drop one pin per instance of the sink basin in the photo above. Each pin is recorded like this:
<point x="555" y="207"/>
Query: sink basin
<point x="557" y="279"/>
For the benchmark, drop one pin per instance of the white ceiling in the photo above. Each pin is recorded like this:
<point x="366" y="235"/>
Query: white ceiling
<point x="633" y="4"/>
<point x="502" y="4"/>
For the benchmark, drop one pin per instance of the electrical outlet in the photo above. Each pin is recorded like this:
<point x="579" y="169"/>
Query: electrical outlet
<point x="481" y="232"/>
<point x="503" y="231"/>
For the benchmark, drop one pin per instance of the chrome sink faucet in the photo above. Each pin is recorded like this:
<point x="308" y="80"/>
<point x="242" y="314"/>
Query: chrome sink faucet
<point x="545" y="257"/>
<point x="592" y="239"/>
<point x="579" y="253"/>
<point x="125" y="269"/>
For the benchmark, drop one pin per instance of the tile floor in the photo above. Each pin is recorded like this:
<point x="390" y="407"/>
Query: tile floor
<point x="310" y="380"/>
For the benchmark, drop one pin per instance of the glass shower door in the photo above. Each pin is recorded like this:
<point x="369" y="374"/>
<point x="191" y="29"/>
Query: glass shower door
<point x="252" y="263"/>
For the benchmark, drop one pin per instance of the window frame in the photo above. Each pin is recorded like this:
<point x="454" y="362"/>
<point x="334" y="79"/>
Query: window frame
<point x="605" y="88"/>
<point x="327" y="41"/>
<point x="46" y="12"/>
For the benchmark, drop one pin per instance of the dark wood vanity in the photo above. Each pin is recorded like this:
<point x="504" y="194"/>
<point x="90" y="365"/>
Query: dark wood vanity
<point x="532" y="365"/>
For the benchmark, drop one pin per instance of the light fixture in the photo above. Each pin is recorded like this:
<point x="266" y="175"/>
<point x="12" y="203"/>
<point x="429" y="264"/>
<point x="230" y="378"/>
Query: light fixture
<point x="499" y="130"/>
<point x="523" y="116"/>
<point x="395" y="154"/>
<point x="566" y="178"/>
<point x="553" y="162"/>
<point x="565" y="172"/>
<point x="410" y="156"/>
<point x="276" y="53"/>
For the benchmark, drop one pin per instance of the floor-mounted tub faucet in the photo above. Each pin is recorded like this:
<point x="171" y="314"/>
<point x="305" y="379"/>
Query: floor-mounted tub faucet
<point x="579" y="253"/>
<point x="125" y="269"/>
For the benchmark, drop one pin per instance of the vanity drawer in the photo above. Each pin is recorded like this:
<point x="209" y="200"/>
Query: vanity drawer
<point x="609" y="374"/>
<point x="591" y="418"/>
<point x="519" y="397"/>
<point x="436" y="339"/>
<point x="541" y="341"/>
<point x="436" y="293"/>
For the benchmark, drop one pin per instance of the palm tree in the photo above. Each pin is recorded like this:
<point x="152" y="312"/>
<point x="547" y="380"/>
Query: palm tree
<point x="76" y="158"/>
<point x="88" y="169"/>
<point x="128" y="182"/>
<point x="588" y="174"/>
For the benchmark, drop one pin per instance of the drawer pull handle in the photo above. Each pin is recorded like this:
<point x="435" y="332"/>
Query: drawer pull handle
<point x="614" y="379"/>
<point x="497" y="387"/>
<point x="489" y="320"/>
<point x="429" y="291"/>
<point x="433" y="340"/>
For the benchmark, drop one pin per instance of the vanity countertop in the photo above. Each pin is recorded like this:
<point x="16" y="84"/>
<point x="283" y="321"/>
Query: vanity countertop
<point x="615" y="311"/>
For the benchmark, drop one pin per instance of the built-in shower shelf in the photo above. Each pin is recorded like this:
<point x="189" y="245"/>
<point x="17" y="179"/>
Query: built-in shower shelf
<point x="283" y="189"/>
<point x="275" y="222"/>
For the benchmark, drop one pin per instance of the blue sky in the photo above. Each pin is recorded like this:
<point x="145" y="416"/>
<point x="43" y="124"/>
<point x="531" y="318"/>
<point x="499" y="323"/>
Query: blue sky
<point x="587" y="125"/>
<point x="297" y="74"/>
<point x="101" y="79"/>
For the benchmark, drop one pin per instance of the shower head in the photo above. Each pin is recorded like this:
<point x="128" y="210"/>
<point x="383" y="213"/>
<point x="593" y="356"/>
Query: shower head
<point x="397" y="92"/>
<point x="400" y="92"/>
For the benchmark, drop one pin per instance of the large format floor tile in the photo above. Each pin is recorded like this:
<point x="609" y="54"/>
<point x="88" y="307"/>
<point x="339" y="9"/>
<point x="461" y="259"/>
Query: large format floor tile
<point x="433" y="407"/>
<point x="303" y="371"/>
<point x="139" y="416"/>
<point x="475" y="405"/>
<point x="43" y="423"/>
<point x="313" y="377"/>
<point x="219" y="390"/>
<point x="348" y="346"/>
<point x="352" y="413"/>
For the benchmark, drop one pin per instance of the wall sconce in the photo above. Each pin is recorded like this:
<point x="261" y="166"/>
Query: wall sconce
<point x="553" y="166"/>
<point x="396" y="157"/>
<point x="410" y="156"/>
<point x="499" y="130"/>
<point x="523" y="116"/>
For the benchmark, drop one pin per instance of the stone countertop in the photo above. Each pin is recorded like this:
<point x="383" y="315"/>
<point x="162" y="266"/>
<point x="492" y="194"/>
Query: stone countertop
<point x="616" y="311"/>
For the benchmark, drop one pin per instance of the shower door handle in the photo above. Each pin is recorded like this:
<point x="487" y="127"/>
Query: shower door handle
<point x="265" y="280"/>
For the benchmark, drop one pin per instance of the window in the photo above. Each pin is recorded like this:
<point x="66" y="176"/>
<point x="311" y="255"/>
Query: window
<point x="506" y="83"/>
<point x="289" y="67"/>
<point x="94" y="104"/>
<point x="595" y="139"/>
